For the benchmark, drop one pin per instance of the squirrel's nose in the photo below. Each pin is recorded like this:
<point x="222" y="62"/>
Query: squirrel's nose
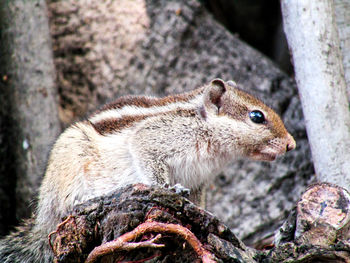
<point x="291" y="144"/>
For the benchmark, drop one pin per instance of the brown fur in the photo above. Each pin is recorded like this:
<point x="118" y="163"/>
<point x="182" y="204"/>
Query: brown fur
<point x="117" y="124"/>
<point x="113" y="125"/>
<point x="147" y="102"/>
<point x="273" y="120"/>
<point x="148" y="140"/>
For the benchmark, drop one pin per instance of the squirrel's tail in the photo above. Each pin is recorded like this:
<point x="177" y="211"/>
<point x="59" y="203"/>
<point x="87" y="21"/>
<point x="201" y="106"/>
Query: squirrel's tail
<point x="25" y="245"/>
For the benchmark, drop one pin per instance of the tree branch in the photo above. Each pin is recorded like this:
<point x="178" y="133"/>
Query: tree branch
<point x="313" y="40"/>
<point x="141" y="222"/>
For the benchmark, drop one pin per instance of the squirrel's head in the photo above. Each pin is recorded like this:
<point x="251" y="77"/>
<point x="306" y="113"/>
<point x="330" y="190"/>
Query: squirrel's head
<point x="254" y="129"/>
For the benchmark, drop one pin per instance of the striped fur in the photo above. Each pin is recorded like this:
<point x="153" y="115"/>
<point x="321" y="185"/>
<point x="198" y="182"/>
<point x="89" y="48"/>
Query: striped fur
<point x="184" y="139"/>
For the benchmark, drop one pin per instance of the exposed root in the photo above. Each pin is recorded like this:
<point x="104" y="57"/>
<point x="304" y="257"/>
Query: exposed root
<point x="58" y="229"/>
<point x="122" y="242"/>
<point x="141" y="260"/>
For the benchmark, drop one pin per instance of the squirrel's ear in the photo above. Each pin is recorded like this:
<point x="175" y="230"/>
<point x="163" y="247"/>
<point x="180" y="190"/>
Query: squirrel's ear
<point x="215" y="91"/>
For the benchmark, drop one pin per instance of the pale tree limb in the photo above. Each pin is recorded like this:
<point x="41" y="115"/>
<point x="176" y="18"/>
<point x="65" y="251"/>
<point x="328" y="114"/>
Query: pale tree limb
<point x="313" y="39"/>
<point x="342" y="17"/>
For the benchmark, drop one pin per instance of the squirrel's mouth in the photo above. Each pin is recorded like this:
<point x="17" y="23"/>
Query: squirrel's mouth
<point x="267" y="154"/>
<point x="260" y="156"/>
<point x="273" y="149"/>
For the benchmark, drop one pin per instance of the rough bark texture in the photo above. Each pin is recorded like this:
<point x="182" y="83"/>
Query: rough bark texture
<point x="105" y="219"/>
<point x="28" y="111"/>
<point x="155" y="223"/>
<point x="110" y="48"/>
<point x="318" y="225"/>
<point x="312" y="35"/>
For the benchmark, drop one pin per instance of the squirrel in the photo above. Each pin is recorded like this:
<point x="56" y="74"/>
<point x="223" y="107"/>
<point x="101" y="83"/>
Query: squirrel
<point x="181" y="139"/>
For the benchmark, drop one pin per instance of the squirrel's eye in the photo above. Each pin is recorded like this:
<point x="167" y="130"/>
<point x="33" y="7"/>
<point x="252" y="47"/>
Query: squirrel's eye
<point x="257" y="116"/>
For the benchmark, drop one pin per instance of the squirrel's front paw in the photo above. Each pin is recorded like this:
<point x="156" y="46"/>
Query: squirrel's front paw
<point x="178" y="189"/>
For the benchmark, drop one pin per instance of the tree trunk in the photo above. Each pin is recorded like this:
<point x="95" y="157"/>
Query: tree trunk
<point x="342" y="17"/>
<point x="29" y="119"/>
<point x="312" y="35"/>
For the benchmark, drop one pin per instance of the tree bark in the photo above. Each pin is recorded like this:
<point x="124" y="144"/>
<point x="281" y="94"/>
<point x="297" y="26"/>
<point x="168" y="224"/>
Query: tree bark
<point x="140" y="222"/>
<point x="312" y="35"/>
<point x="140" y="211"/>
<point x="28" y="114"/>
<point x="342" y="17"/>
<point x="320" y="223"/>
